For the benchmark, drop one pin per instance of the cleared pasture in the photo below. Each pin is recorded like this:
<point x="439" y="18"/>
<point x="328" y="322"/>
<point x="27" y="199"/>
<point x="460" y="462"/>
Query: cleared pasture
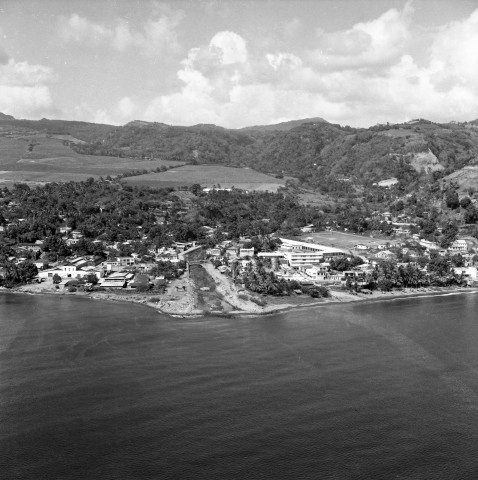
<point x="43" y="177"/>
<point x="209" y="176"/>
<point x="39" y="158"/>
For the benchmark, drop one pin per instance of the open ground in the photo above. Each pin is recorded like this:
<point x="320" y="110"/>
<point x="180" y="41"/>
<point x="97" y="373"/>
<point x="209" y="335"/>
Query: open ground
<point x="209" y="176"/>
<point x="41" y="159"/>
<point x="344" y="240"/>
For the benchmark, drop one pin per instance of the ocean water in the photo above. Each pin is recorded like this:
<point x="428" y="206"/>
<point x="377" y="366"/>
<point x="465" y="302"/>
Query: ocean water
<point x="96" y="390"/>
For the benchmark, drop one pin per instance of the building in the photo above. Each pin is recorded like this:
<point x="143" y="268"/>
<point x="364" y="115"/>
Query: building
<point x="65" y="271"/>
<point x="458" y="246"/>
<point x="389" y="182"/>
<point x="297" y="259"/>
<point x="246" y="252"/>
<point x="302" y="253"/>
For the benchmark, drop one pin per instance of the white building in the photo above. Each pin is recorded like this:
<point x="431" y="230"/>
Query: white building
<point x="298" y="259"/>
<point x="65" y="271"/>
<point x="458" y="246"/>
<point x="302" y="253"/>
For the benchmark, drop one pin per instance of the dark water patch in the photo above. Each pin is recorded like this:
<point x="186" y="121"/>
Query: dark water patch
<point x="368" y="391"/>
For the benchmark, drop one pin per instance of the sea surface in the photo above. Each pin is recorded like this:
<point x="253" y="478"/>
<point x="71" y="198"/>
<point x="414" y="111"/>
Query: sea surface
<point x="98" y="390"/>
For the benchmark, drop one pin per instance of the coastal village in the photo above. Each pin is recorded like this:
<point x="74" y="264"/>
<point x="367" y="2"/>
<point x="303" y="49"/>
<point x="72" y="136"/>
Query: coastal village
<point x="250" y="277"/>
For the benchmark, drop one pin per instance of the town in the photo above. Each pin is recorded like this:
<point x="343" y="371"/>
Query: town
<point x="103" y="236"/>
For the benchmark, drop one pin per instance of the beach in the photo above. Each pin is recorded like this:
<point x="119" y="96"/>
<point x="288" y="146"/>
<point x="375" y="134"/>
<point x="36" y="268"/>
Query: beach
<point x="187" y="297"/>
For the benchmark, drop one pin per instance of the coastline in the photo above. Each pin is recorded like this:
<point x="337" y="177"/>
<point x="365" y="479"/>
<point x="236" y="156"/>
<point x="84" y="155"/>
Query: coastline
<point x="183" y="307"/>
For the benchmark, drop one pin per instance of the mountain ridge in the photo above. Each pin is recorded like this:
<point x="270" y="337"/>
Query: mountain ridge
<point x="324" y="156"/>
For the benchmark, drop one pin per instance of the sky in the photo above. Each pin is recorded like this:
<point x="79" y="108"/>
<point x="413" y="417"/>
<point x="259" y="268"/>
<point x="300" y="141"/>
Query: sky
<point x="237" y="63"/>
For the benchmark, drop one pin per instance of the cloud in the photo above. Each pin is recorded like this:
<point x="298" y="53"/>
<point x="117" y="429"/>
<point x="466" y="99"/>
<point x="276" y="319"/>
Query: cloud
<point x="25" y="101"/>
<point x="385" y="69"/>
<point x="230" y="47"/>
<point x="158" y="35"/>
<point x="126" y="107"/>
<point x="24" y="89"/>
<point x="22" y="73"/>
<point x="378" y="42"/>
<point x="120" y="113"/>
<point x="283" y="60"/>
<point x="4" y="57"/>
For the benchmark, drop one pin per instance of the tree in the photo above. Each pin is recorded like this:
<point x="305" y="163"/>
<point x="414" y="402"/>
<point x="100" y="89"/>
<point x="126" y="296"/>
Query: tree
<point x="471" y="214"/>
<point x="464" y="202"/>
<point x="195" y="189"/>
<point x="452" y="200"/>
<point x="450" y="233"/>
<point x="56" y="278"/>
<point x="92" y="278"/>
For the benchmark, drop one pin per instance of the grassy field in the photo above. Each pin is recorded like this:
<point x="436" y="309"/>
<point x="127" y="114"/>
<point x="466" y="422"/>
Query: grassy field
<point x="209" y="175"/>
<point x="344" y="240"/>
<point x="51" y="161"/>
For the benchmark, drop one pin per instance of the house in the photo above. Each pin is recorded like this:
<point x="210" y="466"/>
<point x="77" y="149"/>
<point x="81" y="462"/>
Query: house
<point x="126" y="261"/>
<point x="316" y="271"/>
<point x="41" y="264"/>
<point x="384" y="254"/>
<point x="27" y="246"/>
<point x="360" y="246"/>
<point x="246" y="252"/>
<point x="64" y="271"/>
<point x="389" y="182"/>
<point x="429" y="245"/>
<point x="307" y="228"/>
<point x="231" y="252"/>
<point x="115" y="280"/>
<point x="458" y="246"/>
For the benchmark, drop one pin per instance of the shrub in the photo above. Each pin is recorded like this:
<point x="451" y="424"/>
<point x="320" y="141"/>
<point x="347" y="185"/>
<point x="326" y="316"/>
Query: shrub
<point x="258" y="301"/>
<point x="72" y="289"/>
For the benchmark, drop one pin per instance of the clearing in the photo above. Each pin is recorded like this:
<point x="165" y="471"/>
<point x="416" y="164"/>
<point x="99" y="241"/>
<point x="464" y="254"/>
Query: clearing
<point x="343" y="240"/>
<point x="209" y="176"/>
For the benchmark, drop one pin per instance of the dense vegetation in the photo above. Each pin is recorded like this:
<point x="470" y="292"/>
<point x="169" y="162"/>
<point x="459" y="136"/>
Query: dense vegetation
<point x="326" y="157"/>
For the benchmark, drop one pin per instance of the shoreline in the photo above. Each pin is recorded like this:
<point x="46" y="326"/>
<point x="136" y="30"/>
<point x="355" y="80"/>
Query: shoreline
<point x="337" y="298"/>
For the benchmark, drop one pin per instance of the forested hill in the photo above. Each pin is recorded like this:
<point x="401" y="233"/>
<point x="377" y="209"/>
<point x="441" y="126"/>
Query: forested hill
<point x="321" y="154"/>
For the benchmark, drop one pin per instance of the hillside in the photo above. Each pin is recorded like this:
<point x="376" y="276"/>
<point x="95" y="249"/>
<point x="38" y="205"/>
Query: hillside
<point x="322" y="155"/>
<point x="283" y="126"/>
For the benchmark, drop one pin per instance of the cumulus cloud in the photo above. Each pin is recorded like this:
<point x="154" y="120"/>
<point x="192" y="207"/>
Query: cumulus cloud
<point x="367" y="74"/>
<point x="24" y="88"/>
<point x="367" y="44"/>
<point x="120" y="113"/>
<point x="229" y="47"/>
<point x="283" y="60"/>
<point x="23" y="73"/>
<point x="157" y="36"/>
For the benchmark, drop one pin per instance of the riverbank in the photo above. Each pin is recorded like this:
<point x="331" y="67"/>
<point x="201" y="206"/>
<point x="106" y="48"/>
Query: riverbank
<point x="215" y="293"/>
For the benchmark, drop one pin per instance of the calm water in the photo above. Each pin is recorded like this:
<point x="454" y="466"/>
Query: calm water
<point x="93" y="390"/>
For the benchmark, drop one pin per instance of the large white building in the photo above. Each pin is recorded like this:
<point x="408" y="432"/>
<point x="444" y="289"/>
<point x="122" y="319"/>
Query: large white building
<point x="304" y="253"/>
